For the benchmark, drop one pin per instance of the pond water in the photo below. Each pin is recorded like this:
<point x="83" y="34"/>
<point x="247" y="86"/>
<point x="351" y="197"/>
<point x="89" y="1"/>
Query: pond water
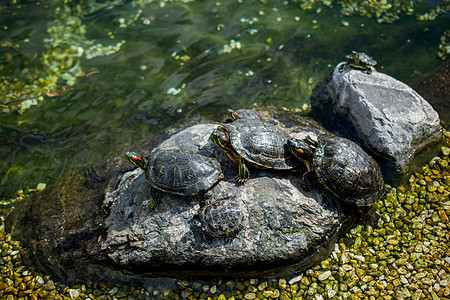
<point x="82" y="80"/>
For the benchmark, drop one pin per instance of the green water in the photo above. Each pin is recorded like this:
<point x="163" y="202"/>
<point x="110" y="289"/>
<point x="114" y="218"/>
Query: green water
<point x="173" y="61"/>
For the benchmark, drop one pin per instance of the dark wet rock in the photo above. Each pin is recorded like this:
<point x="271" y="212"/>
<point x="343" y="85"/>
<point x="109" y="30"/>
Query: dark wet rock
<point x="394" y="122"/>
<point x="97" y="224"/>
<point x="435" y="87"/>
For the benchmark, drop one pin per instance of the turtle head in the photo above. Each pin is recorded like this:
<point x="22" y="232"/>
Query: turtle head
<point x="136" y="159"/>
<point x="302" y="149"/>
<point x="232" y="115"/>
<point x="221" y="137"/>
<point x="242" y="113"/>
<point x="355" y="57"/>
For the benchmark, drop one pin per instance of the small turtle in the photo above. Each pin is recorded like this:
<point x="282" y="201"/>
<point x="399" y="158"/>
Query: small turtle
<point x="255" y="142"/>
<point x="342" y="167"/>
<point x="177" y="172"/>
<point x="242" y="113"/>
<point x="223" y="218"/>
<point x="359" y="60"/>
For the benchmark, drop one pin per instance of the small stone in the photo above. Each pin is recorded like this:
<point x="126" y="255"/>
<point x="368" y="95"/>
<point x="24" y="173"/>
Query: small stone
<point x="416" y="295"/>
<point x="113" y="291"/>
<point x="324" y="275"/>
<point x="267" y="294"/>
<point x="331" y="293"/>
<point x="360" y="258"/>
<point x="252" y="289"/>
<point x="49" y="286"/>
<point x="222" y="297"/>
<point x="345" y="259"/>
<point x="41" y="186"/>
<point x="367" y="278"/>
<point x="262" y="286"/>
<point x="434" y="296"/>
<point x="443" y="216"/>
<point x="213" y="289"/>
<point x="305" y="281"/>
<point x="295" y="279"/>
<point x="319" y="297"/>
<point x="185" y="293"/>
<point x="282" y="283"/>
<point x="250" y="296"/>
<point x="240" y="285"/>
<point x="74" y="293"/>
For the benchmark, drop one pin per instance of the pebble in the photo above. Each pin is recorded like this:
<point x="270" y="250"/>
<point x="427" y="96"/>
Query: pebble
<point x="324" y="275"/>
<point x="49" y="285"/>
<point x="295" y="279"/>
<point x="282" y="283"/>
<point x="74" y="293"/>
<point x="213" y="289"/>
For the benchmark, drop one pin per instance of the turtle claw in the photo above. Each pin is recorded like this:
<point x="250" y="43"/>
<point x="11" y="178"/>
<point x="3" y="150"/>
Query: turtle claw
<point x="342" y="68"/>
<point x="152" y="205"/>
<point x="240" y="180"/>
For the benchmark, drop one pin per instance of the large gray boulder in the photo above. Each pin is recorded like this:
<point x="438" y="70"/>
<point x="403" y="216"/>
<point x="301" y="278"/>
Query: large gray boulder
<point x="111" y="232"/>
<point x="393" y="121"/>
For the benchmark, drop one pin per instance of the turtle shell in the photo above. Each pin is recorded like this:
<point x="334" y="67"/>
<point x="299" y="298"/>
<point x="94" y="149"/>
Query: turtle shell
<point x="348" y="171"/>
<point x="261" y="143"/>
<point x="182" y="172"/>
<point x="366" y="59"/>
<point x="224" y="218"/>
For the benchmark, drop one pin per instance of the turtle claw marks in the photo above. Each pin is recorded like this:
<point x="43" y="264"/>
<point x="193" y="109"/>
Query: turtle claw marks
<point x="177" y="172"/>
<point x="359" y="60"/>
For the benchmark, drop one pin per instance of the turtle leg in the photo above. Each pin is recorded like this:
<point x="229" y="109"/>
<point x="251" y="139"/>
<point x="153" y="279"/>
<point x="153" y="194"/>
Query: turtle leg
<point x="306" y="181"/>
<point x="152" y="203"/>
<point x="244" y="173"/>
<point x="201" y="198"/>
<point x="342" y="67"/>
<point x="369" y="70"/>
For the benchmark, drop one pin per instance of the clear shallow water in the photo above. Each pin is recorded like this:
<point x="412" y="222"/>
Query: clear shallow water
<point x="174" y="61"/>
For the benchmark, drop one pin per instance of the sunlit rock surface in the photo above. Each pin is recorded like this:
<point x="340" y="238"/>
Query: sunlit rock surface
<point x="97" y="224"/>
<point x="392" y="120"/>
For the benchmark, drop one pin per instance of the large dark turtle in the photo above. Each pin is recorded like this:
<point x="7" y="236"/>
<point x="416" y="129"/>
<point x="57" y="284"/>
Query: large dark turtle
<point x="342" y="167"/>
<point x="223" y="218"/>
<point x="178" y="172"/>
<point x="359" y="60"/>
<point x="255" y="142"/>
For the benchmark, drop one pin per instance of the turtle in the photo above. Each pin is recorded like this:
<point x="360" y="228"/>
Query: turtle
<point x="342" y="167"/>
<point x="223" y="218"/>
<point x="359" y="60"/>
<point x="178" y="172"/>
<point x="242" y="113"/>
<point x="254" y="142"/>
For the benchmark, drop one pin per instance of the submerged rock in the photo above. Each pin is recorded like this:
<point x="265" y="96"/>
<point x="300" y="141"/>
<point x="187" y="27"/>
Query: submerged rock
<point x="393" y="121"/>
<point x="98" y="225"/>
